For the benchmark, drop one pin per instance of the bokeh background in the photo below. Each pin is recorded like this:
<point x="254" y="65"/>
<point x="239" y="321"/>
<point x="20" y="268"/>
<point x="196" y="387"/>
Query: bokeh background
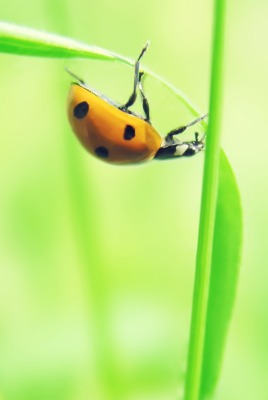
<point x="97" y="261"/>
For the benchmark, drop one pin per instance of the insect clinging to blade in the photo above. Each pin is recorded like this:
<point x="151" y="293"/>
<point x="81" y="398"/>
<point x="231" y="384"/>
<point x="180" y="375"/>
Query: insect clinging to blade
<point x="116" y="134"/>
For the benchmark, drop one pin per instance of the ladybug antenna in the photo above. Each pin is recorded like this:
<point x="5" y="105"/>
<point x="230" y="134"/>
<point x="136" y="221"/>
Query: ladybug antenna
<point x="197" y="140"/>
<point x="75" y="76"/>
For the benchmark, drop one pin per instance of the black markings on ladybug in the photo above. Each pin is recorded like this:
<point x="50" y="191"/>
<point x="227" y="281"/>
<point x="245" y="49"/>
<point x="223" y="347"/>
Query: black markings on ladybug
<point x="189" y="152"/>
<point x="102" y="152"/>
<point x="129" y="132"/>
<point x="81" y="110"/>
<point x="166" y="152"/>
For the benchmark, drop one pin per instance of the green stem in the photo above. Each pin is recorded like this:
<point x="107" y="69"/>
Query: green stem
<point x="208" y="208"/>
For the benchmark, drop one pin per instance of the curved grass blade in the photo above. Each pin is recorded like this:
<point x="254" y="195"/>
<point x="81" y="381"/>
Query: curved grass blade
<point x="21" y="40"/>
<point x="227" y="243"/>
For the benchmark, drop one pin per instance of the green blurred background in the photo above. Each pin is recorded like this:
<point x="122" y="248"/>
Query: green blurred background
<point x="97" y="261"/>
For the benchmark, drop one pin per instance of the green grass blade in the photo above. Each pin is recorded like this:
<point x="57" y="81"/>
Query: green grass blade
<point x="227" y="243"/>
<point x="21" y="40"/>
<point x="202" y="372"/>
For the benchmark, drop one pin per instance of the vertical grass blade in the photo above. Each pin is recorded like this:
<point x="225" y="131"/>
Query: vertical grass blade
<point x="208" y="212"/>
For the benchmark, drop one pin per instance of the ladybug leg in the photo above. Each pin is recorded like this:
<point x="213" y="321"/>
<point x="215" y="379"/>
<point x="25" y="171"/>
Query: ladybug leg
<point x="177" y="131"/>
<point x="81" y="82"/>
<point x="171" y="149"/>
<point x="133" y="95"/>
<point x="145" y="103"/>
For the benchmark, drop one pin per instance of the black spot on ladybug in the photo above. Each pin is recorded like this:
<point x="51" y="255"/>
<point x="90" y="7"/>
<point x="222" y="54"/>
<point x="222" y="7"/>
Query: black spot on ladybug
<point x="129" y="132"/>
<point x="102" y="152"/>
<point x="81" y="110"/>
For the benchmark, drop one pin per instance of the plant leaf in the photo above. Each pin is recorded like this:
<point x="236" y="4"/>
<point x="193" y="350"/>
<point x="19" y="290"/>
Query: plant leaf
<point x="226" y="251"/>
<point x="219" y="241"/>
<point x="21" y="40"/>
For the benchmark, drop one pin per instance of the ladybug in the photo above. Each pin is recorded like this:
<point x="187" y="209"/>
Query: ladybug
<point x="115" y="134"/>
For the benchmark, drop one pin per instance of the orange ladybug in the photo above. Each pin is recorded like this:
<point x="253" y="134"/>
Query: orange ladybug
<point x="115" y="134"/>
